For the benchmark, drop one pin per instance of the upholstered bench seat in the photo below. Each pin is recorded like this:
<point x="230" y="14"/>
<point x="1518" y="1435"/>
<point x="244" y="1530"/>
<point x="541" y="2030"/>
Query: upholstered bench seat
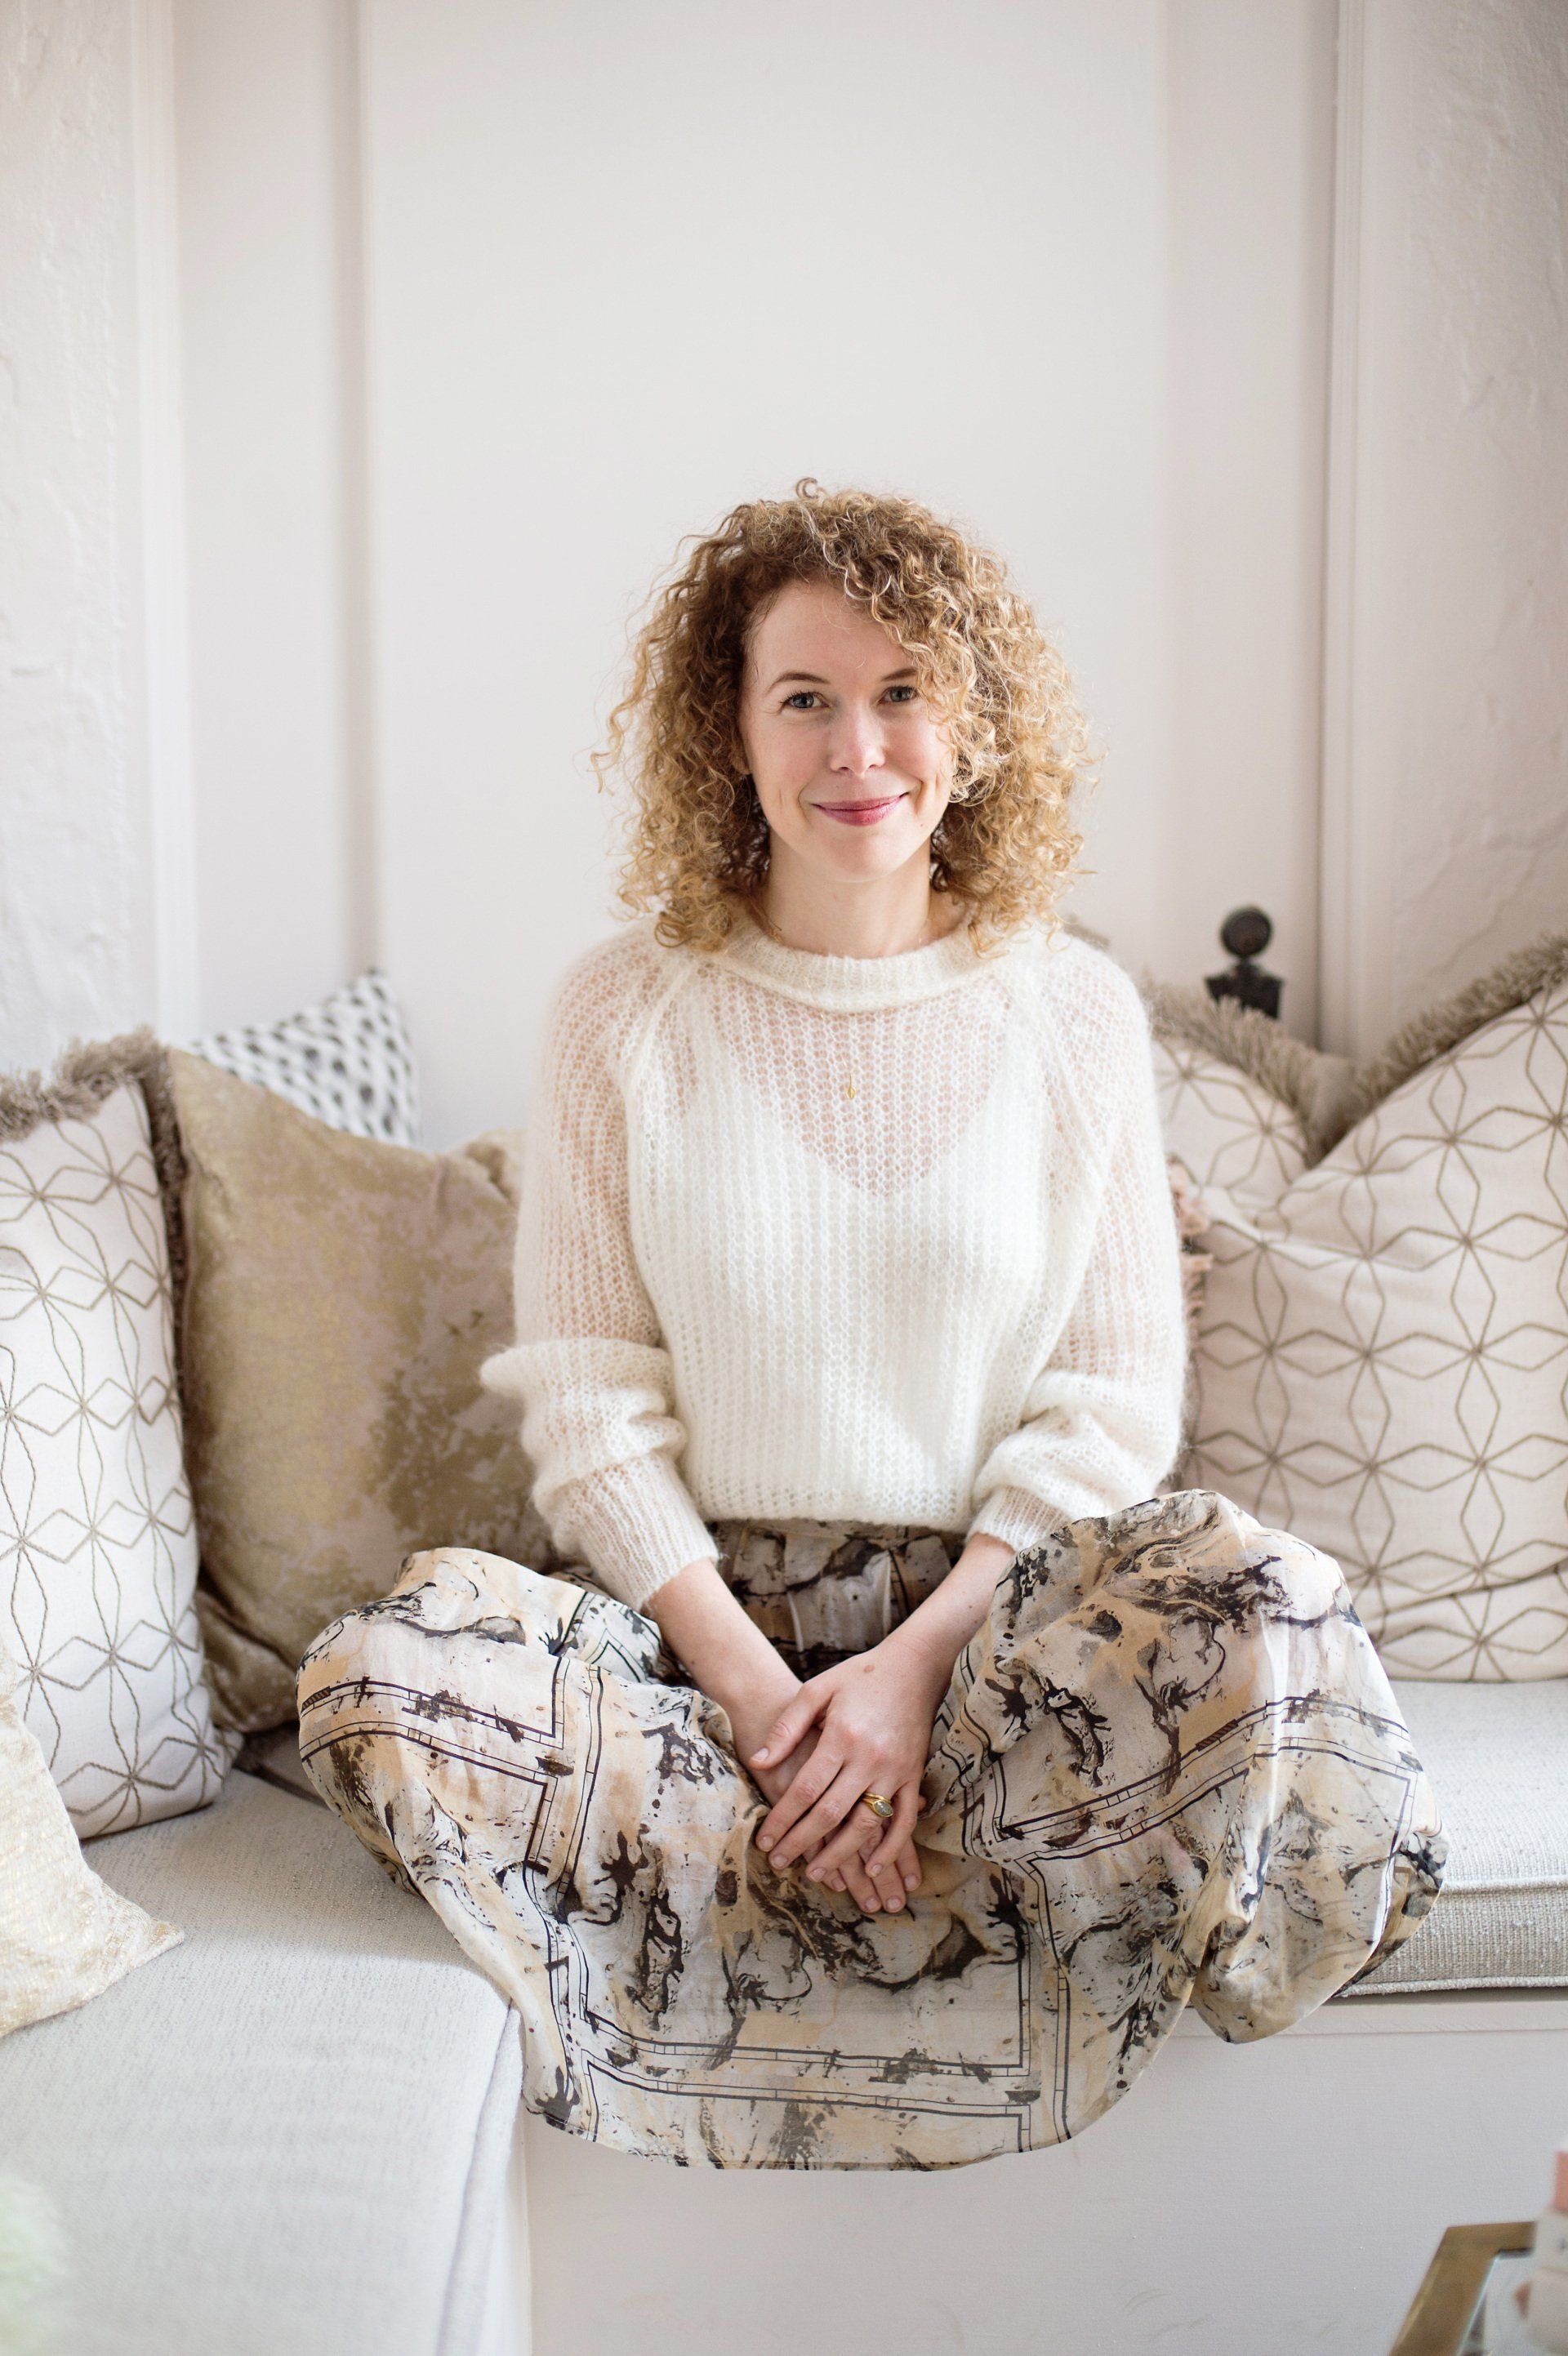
<point x="1497" y="1757"/>
<point x="289" y="2133"/>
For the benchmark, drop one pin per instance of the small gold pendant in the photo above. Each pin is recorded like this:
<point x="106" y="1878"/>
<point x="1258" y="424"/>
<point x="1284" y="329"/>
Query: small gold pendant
<point x="850" y="1090"/>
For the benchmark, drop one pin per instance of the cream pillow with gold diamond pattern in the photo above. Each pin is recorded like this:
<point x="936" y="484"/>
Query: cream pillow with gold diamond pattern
<point x="1382" y="1361"/>
<point x="98" y="1553"/>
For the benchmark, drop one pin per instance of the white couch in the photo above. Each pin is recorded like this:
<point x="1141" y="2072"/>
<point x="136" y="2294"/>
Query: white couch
<point x="289" y="2135"/>
<point x="297" y="2133"/>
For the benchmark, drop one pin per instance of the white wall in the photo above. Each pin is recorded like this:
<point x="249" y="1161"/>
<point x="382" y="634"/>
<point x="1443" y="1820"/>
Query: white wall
<point x="477" y="310"/>
<point x="1018" y="261"/>
<point x="1446" y="834"/>
<point x="77" y="936"/>
<point x="266" y="112"/>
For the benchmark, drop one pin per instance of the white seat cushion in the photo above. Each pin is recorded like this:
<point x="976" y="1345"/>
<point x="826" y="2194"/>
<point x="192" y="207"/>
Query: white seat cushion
<point x="288" y="2133"/>
<point x="1498" y="1758"/>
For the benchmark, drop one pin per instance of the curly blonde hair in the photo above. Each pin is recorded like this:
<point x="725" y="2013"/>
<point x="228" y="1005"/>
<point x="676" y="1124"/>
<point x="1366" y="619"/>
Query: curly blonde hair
<point x="698" y="842"/>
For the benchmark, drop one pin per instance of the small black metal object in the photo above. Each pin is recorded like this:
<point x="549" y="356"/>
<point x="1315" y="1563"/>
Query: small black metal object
<point x="1247" y="933"/>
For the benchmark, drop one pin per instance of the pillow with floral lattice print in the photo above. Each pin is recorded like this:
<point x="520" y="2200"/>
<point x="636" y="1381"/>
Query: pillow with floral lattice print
<point x="1382" y="1358"/>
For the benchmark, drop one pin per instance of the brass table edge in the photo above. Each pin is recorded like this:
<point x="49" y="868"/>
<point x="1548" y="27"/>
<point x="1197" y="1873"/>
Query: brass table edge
<point x="1443" y="2307"/>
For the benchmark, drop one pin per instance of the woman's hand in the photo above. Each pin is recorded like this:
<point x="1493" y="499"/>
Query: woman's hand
<point x="863" y="1726"/>
<point x="871" y="1719"/>
<point x="851" y="1875"/>
<point x="728" y="1656"/>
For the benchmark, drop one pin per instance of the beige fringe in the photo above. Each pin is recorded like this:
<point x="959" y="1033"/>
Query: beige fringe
<point x="1316" y="1086"/>
<point x="1329" y="1094"/>
<point x="1540" y="965"/>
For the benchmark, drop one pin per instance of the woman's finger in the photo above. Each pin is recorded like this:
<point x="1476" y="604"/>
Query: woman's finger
<point x="889" y="1883"/>
<point x="906" y="1816"/>
<point x="860" y="1886"/>
<point x="802" y="1791"/>
<point x="856" y="1834"/>
<point x="829" y="1810"/>
<point x="789" y="1727"/>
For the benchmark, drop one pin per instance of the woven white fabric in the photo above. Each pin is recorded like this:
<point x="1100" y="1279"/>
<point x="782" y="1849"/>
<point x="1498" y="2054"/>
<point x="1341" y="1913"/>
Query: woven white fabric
<point x="1498" y="1755"/>
<point x="813" y="1237"/>
<point x="349" y="1060"/>
<point x="64" y="1934"/>
<point x="98" y="1550"/>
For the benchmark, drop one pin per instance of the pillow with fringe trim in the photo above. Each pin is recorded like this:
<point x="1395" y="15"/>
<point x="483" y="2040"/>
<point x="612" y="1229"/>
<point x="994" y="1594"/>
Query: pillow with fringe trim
<point x="98" y="1550"/>
<point x="1382" y="1364"/>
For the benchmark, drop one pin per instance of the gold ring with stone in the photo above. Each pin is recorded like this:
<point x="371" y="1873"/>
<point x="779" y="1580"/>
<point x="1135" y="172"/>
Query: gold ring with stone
<point x="879" y="1807"/>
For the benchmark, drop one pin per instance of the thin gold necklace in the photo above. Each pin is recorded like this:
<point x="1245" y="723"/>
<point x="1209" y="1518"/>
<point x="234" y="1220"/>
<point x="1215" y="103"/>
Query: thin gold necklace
<point x="768" y="927"/>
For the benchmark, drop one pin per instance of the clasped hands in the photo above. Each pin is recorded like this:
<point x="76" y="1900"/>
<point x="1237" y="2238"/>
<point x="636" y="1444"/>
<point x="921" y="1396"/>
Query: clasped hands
<point x="863" y="1726"/>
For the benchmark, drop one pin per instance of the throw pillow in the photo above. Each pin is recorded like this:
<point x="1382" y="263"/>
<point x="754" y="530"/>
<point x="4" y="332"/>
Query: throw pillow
<point x="97" y="1538"/>
<point x="1243" y="1103"/>
<point x="64" y="1934"/>
<point x="349" y="1060"/>
<point x="341" y="1293"/>
<point x="1382" y="1362"/>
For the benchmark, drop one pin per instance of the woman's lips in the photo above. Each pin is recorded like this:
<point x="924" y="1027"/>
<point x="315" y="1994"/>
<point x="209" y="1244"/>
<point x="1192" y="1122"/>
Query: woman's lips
<point x="860" y="813"/>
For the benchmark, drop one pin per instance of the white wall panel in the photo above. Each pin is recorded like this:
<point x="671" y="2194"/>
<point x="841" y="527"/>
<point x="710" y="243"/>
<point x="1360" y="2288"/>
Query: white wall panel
<point x="1446" y="811"/>
<point x="268" y="264"/>
<point x="1251" y="172"/>
<point x="628" y="266"/>
<point x="77" y="931"/>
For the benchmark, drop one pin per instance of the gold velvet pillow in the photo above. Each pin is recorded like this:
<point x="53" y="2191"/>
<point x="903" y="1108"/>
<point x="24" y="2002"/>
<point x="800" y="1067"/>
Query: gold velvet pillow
<point x="339" y="1294"/>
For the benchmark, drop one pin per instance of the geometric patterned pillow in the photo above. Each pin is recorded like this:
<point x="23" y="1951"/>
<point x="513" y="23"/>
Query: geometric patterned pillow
<point x="349" y="1060"/>
<point x="1225" y="1126"/>
<point x="1383" y="1360"/>
<point x="97" y="1535"/>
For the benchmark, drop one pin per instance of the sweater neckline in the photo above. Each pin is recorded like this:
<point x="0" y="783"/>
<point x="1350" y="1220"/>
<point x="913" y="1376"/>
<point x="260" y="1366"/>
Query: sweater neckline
<point x="852" y="984"/>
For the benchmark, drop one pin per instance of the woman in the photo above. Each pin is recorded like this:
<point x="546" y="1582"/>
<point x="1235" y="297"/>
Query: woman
<point x="881" y="1764"/>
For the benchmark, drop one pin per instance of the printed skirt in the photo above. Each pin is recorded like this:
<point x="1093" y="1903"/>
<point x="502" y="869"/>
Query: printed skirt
<point x="1169" y="1770"/>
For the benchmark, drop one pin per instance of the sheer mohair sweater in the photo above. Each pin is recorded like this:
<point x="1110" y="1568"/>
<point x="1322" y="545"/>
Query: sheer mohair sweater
<point x="887" y="1240"/>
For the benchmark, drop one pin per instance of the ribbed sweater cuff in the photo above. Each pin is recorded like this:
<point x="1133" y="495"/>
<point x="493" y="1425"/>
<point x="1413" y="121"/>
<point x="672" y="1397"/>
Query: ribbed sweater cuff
<point x="636" y="1526"/>
<point x="1016" y="1518"/>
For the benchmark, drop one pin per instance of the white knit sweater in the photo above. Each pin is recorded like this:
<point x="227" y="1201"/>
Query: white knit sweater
<point x="877" y="1238"/>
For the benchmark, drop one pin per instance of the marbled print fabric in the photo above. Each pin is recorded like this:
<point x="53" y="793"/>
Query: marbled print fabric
<point x="1168" y="1770"/>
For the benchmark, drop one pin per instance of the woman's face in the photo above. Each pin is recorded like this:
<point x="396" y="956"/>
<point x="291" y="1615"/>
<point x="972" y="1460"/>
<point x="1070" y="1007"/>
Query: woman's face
<point x="851" y="768"/>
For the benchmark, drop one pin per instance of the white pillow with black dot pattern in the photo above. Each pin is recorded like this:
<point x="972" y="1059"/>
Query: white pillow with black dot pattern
<point x="349" y="1060"/>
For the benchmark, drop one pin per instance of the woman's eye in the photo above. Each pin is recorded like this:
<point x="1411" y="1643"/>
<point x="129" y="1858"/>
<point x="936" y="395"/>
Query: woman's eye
<point x="904" y="688"/>
<point x="801" y="696"/>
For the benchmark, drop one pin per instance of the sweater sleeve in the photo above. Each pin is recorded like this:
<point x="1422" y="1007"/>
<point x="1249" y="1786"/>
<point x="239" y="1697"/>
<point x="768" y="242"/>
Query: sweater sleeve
<point x="1102" y="1420"/>
<point x="590" y="1366"/>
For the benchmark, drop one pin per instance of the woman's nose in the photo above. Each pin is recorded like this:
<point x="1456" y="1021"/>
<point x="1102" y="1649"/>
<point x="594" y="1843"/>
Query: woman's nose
<point x="856" y="746"/>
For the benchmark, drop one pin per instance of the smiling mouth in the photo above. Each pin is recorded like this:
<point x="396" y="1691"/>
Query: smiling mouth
<point x="860" y="813"/>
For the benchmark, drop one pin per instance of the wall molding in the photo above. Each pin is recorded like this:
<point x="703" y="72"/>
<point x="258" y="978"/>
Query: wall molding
<point x="361" y="846"/>
<point x="165" y="634"/>
<point x="1340" y="992"/>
